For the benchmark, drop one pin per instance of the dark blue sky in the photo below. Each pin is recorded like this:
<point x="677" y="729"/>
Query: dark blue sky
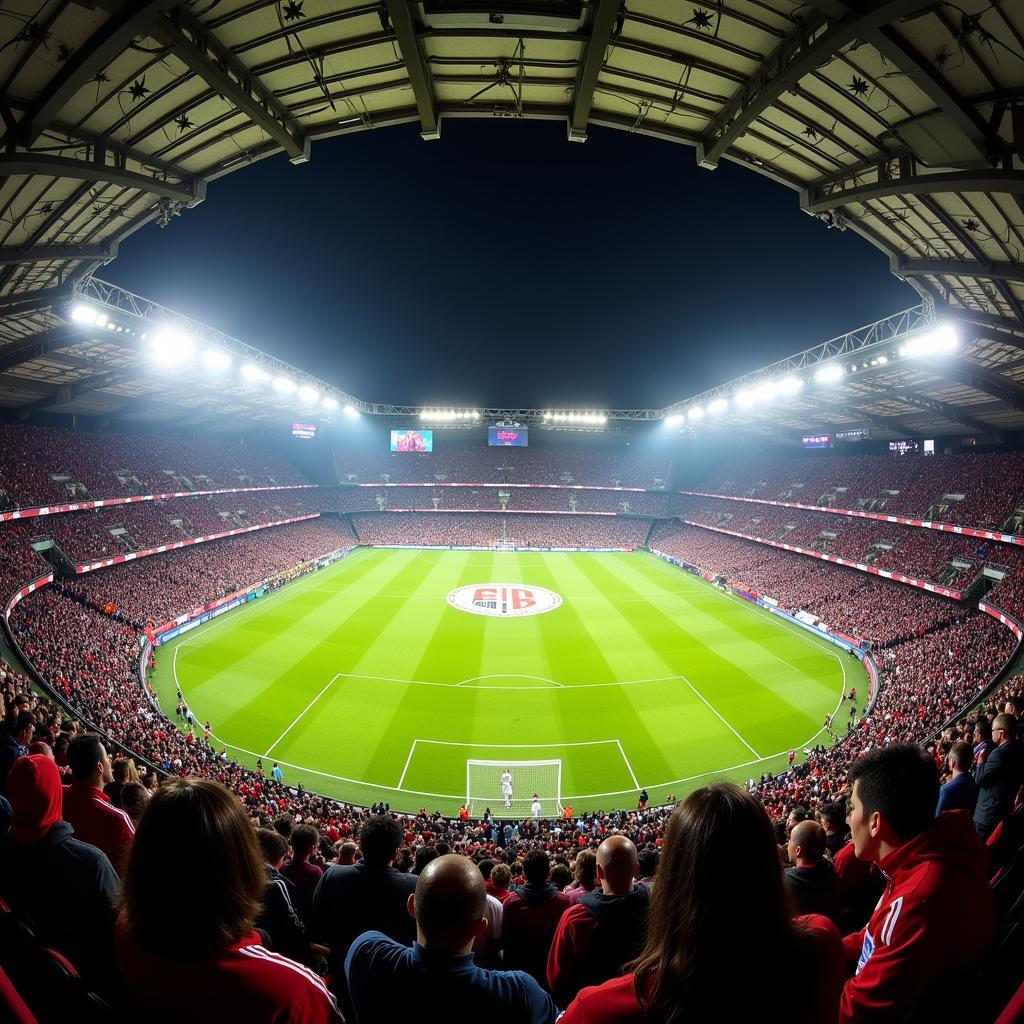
<point x="504" y="265"/>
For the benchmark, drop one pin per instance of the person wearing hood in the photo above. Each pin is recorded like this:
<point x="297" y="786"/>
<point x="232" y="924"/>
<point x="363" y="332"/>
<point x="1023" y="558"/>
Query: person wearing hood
<point x="66" y="888"/>
<point x="530" y="917"/>
<point x="936" y="918"/>
<point x="604" y="931"/>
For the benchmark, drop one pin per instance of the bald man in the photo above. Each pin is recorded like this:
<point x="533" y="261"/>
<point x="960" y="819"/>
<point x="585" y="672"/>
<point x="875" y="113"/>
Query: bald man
<point x="599" y="935"/>
<point x="811" y="882"/>
<point x="437" y="975"/>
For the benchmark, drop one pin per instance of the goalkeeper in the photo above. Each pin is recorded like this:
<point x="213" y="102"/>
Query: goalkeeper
<point x="506" y="788"/>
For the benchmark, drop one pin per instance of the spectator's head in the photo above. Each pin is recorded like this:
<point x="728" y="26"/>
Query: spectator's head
<point x="347" y="853"/>
<point x="982" y="730"/>
<point x="449" y="905"/>
<point x="424" y="855"/>
<point x="443" y="849"/>
<point x="119" y="769"/>
<point x="536" y="867"/>
<point x="304" y="841"/>
<point x="806" y="844"/>
<point x="1014" y="706"/>
<point x="23" y="727"/>
<point x="796" y="815"/>
<point x="833" y="818"/>
<point x="193" y="838"/>
<point x="585" y="869"/>
<point x="380" y="839"/>
<point x="893" y="794"/>
<point x="616" y="865"/>
<point x="1004" y="729"/>
<point x="134" y="798"/>
<point x="648" y="862"/>
<point x="486" y="866"/>
<point x="283" y="824"/>
<point x="40" y="747"/>
<point x="501" y="877"/>
<point x="273" y="846"/>
<point x="719" y="865"/>
<point x="561" y="876"/>
<point x="960" y="757"/>
<point x="88" y="760"/>
<point x="36" y="796"/>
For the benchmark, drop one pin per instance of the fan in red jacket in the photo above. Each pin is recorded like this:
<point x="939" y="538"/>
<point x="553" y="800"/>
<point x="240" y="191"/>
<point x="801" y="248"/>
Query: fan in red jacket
<point x="936" y="917"/>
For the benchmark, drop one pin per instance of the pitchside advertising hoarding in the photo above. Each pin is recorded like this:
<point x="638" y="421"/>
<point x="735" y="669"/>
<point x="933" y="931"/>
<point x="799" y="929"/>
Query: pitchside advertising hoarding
<point x="412" y="440"/>
<point x="508" y="437"/>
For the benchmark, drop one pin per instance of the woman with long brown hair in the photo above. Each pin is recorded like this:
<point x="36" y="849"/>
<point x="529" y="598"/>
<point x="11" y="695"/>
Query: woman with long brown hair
<point x="185" y="940"/>
<point x="720" y="941"/>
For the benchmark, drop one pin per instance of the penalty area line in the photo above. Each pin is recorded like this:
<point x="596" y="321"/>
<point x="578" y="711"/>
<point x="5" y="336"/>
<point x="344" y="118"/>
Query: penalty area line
<point x="301" y="715"/>
<point x="412" y="750"/>
<point x="723" y="720"/>
<point x="629" y="767"/>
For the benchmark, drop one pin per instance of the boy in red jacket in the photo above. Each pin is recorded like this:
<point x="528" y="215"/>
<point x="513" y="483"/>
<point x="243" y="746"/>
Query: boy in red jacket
<point x="936" y="917"/>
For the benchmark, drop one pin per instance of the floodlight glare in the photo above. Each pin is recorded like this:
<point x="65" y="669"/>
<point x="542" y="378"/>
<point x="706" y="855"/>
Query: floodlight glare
<point x="216" y="360"/>
<point x="101" y="319"/>
<point x="285" y="385"/>
<point x="696" y="413"/>
<point x="746" y="398"/>
<point x="82" y="314"/>
<point x="308" y="394"/>
<point x="673" y="420"/>
<point x="790" y="385"/>
<point x="765" y="392"/>
<point x="718" y="405"/>
<point x="255" y="374"/>
<point x="171" y="347"/>
<point x="330" y="403"/>
<point x="829" y="374"/>
<point x="942" y="338"/>
<point x="351" y="410"/>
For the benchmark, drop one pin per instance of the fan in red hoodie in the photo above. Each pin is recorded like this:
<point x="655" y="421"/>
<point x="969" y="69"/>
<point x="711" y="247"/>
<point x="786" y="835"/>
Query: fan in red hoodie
<point x="936" y="917"/>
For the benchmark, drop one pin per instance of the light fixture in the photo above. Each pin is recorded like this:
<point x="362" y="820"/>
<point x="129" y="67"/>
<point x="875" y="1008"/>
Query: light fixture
<point x="718" y="405"/>
<point x="790" y="385"/>
<point x="940" y="339"/>
<point x="171" y="347"/>
<point x="284" y="385"/>
<point x="351" y="410"/>
<point x="330" y="403"/>
<point x="829" y="373"/>
<point x="255" y="374"/>
<point x="696" y="413"/>
<point x="765" y="392"/>
<point x="309" y="394"/>
<point x="82" y="314"/>
<point x="746" y="398"/>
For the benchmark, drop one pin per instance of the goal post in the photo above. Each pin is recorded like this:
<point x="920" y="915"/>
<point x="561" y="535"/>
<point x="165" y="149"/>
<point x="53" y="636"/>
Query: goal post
<point x="484" y="788"/>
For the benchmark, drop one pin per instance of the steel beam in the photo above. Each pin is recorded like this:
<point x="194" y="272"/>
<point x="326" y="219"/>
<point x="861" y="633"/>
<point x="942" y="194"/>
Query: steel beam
<point x="602" y="24"/>
<point x="947" y="412"/>
<point x="72" y="392"/>
<point x="204" y="55"/>
<point x="12" y="164"/>
<point x="814" y="42"/>
<point x="988" y="382"/>
<point x="401" y="15"/>
<point x="958" y="268"/>
<point x="106" y="44"/>
<point x="1009" y="182"/>
<point x="11" y="255"/>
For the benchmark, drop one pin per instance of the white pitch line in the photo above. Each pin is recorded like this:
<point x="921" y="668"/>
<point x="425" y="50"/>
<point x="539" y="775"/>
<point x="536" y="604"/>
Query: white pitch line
<point x="720" y="718"/>
<point x="407" y="760"/>
<point x="518" y="746"/>
<point x="629" y="767"/>
<point x="512" y="675"/>
<point x="299" y="716"/>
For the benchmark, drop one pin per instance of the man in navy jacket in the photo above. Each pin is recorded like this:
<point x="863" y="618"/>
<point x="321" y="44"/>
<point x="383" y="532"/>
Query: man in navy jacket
<point x="1000" y="776"/>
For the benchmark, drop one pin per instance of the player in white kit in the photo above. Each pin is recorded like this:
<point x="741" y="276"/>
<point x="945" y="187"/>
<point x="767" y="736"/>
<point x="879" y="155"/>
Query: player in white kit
<point x="506" y="788"/>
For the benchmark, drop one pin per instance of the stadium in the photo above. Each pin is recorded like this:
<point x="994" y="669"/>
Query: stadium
<point x="517" y="701"/>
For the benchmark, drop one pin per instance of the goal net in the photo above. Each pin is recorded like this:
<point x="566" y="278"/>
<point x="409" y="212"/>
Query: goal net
<point x="504" y="545"/>
<point x="485" y="788"/>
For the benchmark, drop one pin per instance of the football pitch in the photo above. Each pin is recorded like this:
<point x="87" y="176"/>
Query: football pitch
<point x="378" y="678"/>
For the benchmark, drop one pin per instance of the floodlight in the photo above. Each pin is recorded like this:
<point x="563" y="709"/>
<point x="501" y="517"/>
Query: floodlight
<point x="330" y="403"/>
<point x="765" y="392"/>
<point x="790" y="385"/>
<point x="285" y="385"/>
<point x="308" y="394"/>
<point x="829" y="374"/>
<point x="718" y="405"/>
<point x="351" y="410"/>
<point x="82" y="314"/>
<point x="746" y="398"/>
<point x="674" y="420"/>
<point x="101" y="319"/>
<point x="696" y="413"/>
<point x="171" y="347"/>
<point x="255" y="374"/>
<point x="216" y="360"/>
<point x="547" y="415"/>
<point x="942" y="338"/>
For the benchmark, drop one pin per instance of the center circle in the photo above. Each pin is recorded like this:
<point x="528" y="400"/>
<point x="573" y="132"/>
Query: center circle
<point x="504" y="600"/>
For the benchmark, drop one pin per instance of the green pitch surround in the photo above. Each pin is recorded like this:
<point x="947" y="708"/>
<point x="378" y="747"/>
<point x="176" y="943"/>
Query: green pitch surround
<point x="365" y="683"/>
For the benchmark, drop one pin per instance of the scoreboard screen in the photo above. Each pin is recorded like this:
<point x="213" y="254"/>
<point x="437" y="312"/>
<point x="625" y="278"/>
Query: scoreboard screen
<point x="307" y="430"/>
<point x="508" y="437"/>
<point x="412" y="440"/>
<point x="817" y="441"/>
<point x="904" y="447"/>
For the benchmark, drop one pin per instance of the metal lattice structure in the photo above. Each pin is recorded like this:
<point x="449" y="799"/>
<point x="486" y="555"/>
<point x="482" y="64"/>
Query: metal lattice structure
<point x="899" y="120"/>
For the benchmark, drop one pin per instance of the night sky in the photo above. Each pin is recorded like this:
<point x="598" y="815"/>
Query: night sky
<point x="504" y="265"/>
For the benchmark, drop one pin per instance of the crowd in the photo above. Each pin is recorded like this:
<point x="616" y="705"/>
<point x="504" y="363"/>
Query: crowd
<point x="485" y="529"/>
<point x="970" y="489"/>
<point x="50" y="465"/>
<point x="475" y="463"/>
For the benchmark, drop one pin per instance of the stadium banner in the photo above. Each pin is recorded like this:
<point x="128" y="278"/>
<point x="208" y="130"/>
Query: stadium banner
<point x="680" y="564"/>
<point x="80" y="506"/>
<point x="549" y="487"/>
<point x="494" y="511"/>
<point x="932" y="588"/>
<point x="29" y="588"/>
<point x="161" y="548"/>
<point x="815" y="626"/>
<point x="925" y="524"/>
<point x="1011" y="623"/>
<point x="486" y="547"/>
<point x="872" y="670"/>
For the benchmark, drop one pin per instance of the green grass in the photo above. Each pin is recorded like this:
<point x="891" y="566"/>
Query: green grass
<point x="361" y="676"/>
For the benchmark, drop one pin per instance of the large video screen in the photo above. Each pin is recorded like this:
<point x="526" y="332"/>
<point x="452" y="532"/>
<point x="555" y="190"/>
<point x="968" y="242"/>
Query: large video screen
<point x="817" y="441"/>
<point x="412" y="440"/>
<point x="306" y="430"/>
<point x="508" y="437"/>
<point x="904" y="447"/>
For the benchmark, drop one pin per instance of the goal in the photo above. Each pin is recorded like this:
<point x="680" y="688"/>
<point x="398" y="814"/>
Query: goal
<point x="504" y="545"/>
<point x="483" y="788"/>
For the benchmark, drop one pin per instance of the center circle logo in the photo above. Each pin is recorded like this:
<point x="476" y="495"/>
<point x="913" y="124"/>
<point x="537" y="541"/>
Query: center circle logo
<point x="504" y="600"/>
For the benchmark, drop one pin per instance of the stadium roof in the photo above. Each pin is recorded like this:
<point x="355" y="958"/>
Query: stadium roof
<point x="899" y="120"/>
